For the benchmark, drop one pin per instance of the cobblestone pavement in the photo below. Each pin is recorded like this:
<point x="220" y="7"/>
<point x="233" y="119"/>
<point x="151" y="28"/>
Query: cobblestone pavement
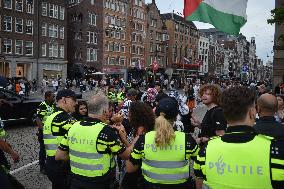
<point x="24" y="140"/>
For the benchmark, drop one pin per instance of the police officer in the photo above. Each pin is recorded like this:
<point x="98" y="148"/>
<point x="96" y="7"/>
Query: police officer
<point x="111" y="94"/>
<point x="164" y="154"/>
<point x="120" y="96"/>
<point x="6" y="180"/>
<point x="55" y="127"/>
<point x="91" y="146"/>
<point x="241" y="158"/>
<point x="45" y="109"/>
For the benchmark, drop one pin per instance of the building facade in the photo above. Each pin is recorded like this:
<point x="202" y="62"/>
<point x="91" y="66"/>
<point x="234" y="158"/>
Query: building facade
<point x="156" y="38"/>
<point x="33" y="38"/>
<point x="182" y="45"/>
<point x="116" y="37"/>
<point x="137" y="29"/>
<point x="203" y="54"/>
<point x="85" y="37"/>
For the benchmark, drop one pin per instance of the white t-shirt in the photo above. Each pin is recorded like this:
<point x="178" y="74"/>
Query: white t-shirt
<point x="54" y="83"/>
<point x="125" y="108"/>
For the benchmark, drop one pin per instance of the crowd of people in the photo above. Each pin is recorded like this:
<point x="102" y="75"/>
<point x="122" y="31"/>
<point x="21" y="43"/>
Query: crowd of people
<point x="126" y="136"/>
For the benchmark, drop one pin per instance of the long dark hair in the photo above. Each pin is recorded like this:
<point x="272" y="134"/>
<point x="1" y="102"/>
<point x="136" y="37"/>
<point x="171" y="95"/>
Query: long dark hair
<point x="77" y="114"/>
<point x="141" y="115"/>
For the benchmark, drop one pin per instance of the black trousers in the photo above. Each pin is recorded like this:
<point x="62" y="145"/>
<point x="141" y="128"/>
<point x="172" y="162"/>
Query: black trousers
<point x="4" y="179"/>
<point x="42" y="153"/>
<point x="77" y="183"/>
<point x="57" y="172"/>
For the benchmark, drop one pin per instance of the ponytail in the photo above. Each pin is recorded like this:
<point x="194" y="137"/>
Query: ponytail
<point x="164" y="131"/>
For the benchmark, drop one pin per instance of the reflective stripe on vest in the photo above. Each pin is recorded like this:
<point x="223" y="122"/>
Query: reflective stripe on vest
<point x="84" y="157"/>
<point x="165" y="165"/>
<point x="238" y="165"/>
<point x="50" y="142"/>
<point x="49" y="109"/>
<point x="49" y="136"/>
<point x="169" y="177"/>
<point x="85" y="154"/>
<point x="51" y="147"/>
<point x="88" y="167"/>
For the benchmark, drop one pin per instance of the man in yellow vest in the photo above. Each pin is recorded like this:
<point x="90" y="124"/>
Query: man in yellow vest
<point x="241" y="158"/>
<point x="91" y="145"/>
<point x="55" y="127"/>
<point x="45" y="109"/>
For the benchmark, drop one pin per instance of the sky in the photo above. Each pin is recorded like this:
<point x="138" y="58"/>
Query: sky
<point x="258" y="11"/>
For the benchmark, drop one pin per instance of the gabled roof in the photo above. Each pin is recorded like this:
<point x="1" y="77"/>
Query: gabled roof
<point x="169" y="16"/>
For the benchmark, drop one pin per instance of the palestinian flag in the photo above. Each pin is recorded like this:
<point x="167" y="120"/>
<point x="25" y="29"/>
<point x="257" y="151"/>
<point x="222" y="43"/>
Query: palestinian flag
<point x="225" y="15"/>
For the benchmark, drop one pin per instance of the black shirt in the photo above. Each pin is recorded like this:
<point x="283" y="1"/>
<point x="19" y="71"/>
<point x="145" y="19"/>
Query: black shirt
<point x="270" y="127"/>
<point x="213" y="121"/>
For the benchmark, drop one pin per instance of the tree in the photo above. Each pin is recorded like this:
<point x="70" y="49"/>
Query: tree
<point x="277" y="18"/>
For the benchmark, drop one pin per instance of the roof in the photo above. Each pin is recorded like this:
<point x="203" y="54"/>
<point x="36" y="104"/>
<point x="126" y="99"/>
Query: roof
<point x="169" y="16"/>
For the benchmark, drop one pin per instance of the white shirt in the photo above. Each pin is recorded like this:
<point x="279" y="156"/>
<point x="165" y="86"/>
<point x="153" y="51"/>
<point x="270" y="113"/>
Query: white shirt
<point x="54" y="83"/>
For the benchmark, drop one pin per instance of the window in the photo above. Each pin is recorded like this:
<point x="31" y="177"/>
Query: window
<point x="19" y="25"/>
<point x="44" y="9"/>
<point x="30" y="6"/>
<point x="53" y="31"/>
<point x="61" y="13"/>
<point x="19" y="5"/>
<point x="44" y="29"/>
<point x="122" y="61"/>
<point x="29" y="48"/>
<point x="92" y="37"/>
<point x="122" y="35"/>
<point x="92" y="2"/>
<point x="8" y="46"/>
<point x="51" y="10"/>
<point x="117" y="47"/>
<point x="55" y="11"/>
<point x="19" y="47"/>
<point x="7" y="23"/>
<point x="61" y="32"/>
<point x="154" y="22"/>
<point x="91" y="54"/>
<point x="8" y="4"/>
<point x="122" y="48"/>
<point x="92" y="19"/>
<point x="43" y="49"/>
<point x="29" y="27"/>
<point x="53" y="50"/>
<point x="111" y="47"/>
<point x="117" y="35"/>
<point x="61" y="51"/>
<point x="112" y="61"/>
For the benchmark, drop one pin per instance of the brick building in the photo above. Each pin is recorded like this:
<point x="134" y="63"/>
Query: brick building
<point x="156" y="38"/>
<point x="32" y="38"/>
<point x="116" y="37"/>
<point x="182" y="45"/>
<point x="137" y="31"/>
<point x="85" y="36"/>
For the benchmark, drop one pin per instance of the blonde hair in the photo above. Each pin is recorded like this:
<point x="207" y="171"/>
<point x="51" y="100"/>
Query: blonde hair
<point x="164" y="131"/>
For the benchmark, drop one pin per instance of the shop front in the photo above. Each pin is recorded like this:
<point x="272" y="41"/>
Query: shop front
<point x="115" y="72"/>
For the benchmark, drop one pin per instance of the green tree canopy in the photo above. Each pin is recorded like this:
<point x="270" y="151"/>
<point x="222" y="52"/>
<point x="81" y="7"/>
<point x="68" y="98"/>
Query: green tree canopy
<point x="277" y="18"/>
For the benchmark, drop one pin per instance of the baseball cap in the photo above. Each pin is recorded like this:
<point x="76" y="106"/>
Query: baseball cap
<point x="65" y="93"/>
<point x="132" y="92"/>
<point x="168" y="106"/>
